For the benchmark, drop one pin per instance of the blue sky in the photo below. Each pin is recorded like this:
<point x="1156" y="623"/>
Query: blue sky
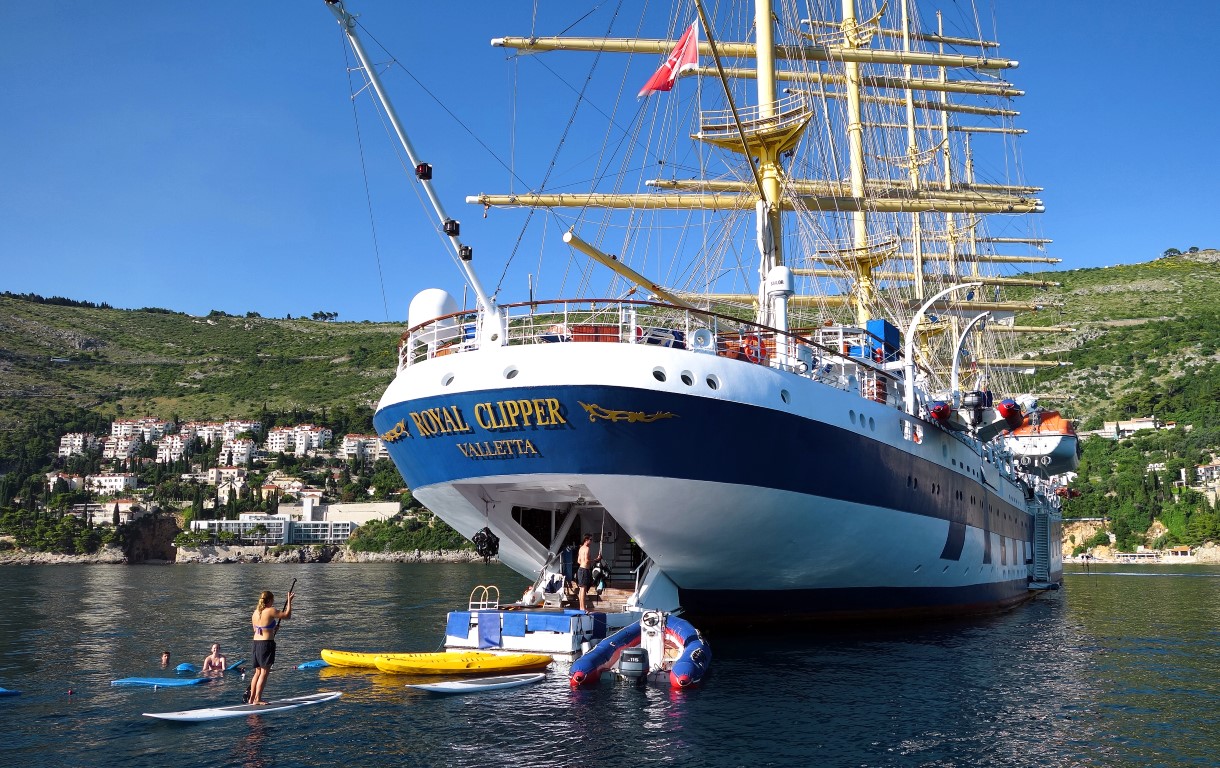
<point x="200" y="156"/>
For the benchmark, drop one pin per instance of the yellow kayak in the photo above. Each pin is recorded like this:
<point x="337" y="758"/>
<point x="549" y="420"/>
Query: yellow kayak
<point x="460" y="663"/>
<point x="355" y="658"/>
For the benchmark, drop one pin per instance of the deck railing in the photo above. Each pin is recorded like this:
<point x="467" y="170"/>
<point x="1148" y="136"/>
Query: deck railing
<point x="839" y="356"/>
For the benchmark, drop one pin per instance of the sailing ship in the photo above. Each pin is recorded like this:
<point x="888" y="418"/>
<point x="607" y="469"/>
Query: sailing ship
<point x="781" y="386"/>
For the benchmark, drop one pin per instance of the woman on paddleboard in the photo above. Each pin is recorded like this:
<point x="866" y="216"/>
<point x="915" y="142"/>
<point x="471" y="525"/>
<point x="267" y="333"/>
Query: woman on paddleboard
<point x="266" y="621"/>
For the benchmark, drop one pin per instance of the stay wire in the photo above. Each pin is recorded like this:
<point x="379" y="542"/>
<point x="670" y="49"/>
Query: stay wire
<point x="368" y="196"/>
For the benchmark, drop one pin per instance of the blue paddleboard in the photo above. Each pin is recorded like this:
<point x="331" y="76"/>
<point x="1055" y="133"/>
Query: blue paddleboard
<point x="161" y="682"/>
<point x="315" y="664"/>
<point x="188" y="667"/>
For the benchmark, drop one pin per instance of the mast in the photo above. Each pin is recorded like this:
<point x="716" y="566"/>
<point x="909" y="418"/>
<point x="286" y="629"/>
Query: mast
<point x="423" y="171"/>
<point x="864" y="289"/>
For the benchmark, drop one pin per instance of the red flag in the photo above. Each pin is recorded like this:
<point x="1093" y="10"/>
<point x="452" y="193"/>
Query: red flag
<point x="684" y="56"/>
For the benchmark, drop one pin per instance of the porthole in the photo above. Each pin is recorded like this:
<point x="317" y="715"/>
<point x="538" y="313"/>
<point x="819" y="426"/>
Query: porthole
<point x="872" y="423"/>
<point x="658" y="374"/>
<point x="783" y="395"/>
<point x="916" y="482"/>
<point x="687" y="378"/>
<point x="510" y="372"/>
<point x="917" y="568"/>
<point x="447" y="379"/>
<point x="852" y="416"/>
<point x="713" y="382"/>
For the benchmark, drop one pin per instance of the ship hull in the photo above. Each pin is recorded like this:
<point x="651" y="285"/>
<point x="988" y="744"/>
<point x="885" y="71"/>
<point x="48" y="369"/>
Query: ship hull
<point x="839" y="516"/>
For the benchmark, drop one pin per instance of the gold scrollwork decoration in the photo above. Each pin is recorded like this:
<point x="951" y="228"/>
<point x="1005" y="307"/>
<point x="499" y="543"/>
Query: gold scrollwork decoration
<point x="396" y="432"/>
<point x="631" y="417"/>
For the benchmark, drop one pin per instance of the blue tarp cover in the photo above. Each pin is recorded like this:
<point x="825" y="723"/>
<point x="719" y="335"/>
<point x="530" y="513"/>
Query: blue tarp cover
<point x="549" y="622"/>
<point x="458" y="624"/>
<point x="513" y="625"/>
<point x="489" y="629"/>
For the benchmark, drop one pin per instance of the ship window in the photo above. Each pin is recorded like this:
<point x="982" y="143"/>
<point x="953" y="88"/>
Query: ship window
<point x="447" y="379"/>
<point x="713" y="382"/>
<point x="783" y="395"/>
<point x="687" y="378"/>
<point x="852" y="415"/>
<point x="658" y="374"/>
<point x="872" y="423"/>
<point x="510" y="372"/>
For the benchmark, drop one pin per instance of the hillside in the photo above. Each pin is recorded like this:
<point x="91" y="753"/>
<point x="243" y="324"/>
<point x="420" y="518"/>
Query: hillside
<point x="1146" y="342"/>
<point x="153" y="362"/>
<point x="1146" y="338"/>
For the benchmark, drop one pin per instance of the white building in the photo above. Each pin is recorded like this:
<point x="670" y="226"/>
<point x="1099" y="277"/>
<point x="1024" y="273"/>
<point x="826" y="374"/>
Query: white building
<point x="207" y="431"/>
<point x="121" y="447"/>
<point x="76" y="443"/>
<point x="218" y="475"/>
<point x="279" y="529"/>
<point x="363" y="448"/>
<point x="148" y="428"/>
<point x="231" y="429"/>
<point x="170" y="448"/>
<point x="111" y="483"/>
<point x="73" y="482"/>
<point x="281" y="440"/>
<point x="236" y="452"/>
<point x="308" y="437"/>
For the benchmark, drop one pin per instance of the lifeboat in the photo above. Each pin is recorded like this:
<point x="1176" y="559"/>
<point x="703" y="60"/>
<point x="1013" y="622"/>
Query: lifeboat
<point x="1045" y="443"/>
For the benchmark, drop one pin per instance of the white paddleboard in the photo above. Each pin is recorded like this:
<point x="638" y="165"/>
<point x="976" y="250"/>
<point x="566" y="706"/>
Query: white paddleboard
<point x="241" y="710"/>
<point x="476" y="684"/>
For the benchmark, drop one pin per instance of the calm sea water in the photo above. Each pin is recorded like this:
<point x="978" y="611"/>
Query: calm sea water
<point x="1121" y="668"/>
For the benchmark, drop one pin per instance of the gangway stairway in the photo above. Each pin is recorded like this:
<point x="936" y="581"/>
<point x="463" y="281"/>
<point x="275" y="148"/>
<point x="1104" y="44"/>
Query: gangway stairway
<point x="1042" y="548"/>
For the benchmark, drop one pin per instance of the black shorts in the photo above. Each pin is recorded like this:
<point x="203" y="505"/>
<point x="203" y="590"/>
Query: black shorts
<point x="584" y="577"/>
<point x="262" y="652"/>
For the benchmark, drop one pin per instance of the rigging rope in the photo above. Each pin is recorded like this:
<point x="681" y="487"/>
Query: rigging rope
<point x="365" y="173"/>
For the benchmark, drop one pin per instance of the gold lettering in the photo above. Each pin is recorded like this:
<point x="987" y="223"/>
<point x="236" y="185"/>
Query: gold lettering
<point x="529" y="448"/>
<point x="419" y="424"/>
<point x="462" y="426"/>
<point x="541" y="413"/>
<point x="450" y="426"/>
<point x="479" y="410"/>
<point x="513" y="410"/>
<point x="527" y="410"/>
<point x="556" y="416"/>
<point x="465" y="449"/>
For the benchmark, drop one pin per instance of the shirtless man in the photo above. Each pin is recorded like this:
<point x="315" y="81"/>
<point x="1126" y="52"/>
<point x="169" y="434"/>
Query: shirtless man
<point x="214" y="665"/>
<point x="584" y="577"/>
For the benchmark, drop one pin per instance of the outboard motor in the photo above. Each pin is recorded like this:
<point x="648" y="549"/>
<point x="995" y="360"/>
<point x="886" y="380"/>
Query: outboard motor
<point x="972" y="407"/>
<point x="633" y="664"/>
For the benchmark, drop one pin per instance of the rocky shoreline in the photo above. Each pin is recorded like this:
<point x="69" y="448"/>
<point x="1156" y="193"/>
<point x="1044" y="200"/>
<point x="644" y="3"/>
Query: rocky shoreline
<point x="212" y="555"/>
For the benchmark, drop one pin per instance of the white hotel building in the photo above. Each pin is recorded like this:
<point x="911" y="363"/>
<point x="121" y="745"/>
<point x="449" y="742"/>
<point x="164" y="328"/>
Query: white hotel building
<point x="121" y="447"/>
<point x="76" y="443"/>
<point x="111" y="483"/>
<point x="236" y="452"/>
<point x="170" y="448"/>
<point x="364" y="448"/>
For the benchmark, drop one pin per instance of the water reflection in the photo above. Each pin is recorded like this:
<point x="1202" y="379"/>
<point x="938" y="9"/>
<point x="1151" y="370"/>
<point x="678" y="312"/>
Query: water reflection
<point x="1114" y="670"/>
